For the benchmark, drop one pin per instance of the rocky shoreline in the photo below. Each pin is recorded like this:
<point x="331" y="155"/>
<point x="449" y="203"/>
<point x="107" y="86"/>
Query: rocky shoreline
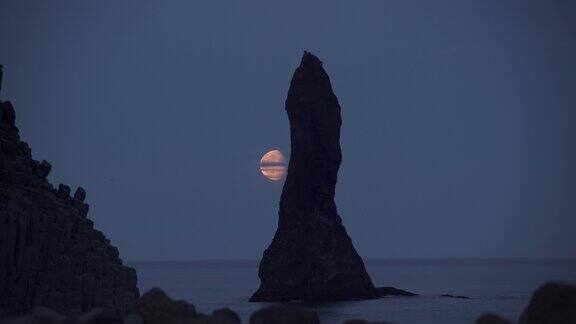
<point x="553" y="303"/>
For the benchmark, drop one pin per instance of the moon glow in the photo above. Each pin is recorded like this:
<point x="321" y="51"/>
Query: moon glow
<point x="273" y="165"/>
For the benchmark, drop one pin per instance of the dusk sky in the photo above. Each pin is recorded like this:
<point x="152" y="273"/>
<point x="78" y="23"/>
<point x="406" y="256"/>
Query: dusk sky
<point x="458" y="133"/>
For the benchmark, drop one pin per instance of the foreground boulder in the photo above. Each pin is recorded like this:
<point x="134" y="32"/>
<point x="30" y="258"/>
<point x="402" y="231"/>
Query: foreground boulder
<point x="284" y="314"/>
<point x="492" y="319"/>
<point x="311" y="257"/>
<point x="225" y="315"/>
<point x="553" y="303"/>
<point x="50" y="253"/>
<point x="155" y="307"/>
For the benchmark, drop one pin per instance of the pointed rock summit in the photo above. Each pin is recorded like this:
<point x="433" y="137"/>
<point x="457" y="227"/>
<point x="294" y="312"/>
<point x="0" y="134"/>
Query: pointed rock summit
<point x="311" y="257"/>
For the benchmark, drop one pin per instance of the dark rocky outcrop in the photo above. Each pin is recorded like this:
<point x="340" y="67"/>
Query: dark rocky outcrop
<point x="50" y="253"/>
<point x="553" y="303"/>
<point x="284" y="314"/>
<point x="391" y="291"/>
<point x="311" y="257"/>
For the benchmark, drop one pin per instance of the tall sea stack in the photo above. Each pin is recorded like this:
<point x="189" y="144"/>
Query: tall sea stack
<point x="50" y="253"/>
<point x="311" y="257"/>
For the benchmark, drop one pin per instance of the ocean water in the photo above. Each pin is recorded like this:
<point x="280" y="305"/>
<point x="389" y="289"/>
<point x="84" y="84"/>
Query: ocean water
<point x="500" y="286"/>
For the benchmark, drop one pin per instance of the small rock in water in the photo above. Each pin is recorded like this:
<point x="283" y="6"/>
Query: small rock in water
<point x="455" y="296"/>
<point x="284" y="315"/>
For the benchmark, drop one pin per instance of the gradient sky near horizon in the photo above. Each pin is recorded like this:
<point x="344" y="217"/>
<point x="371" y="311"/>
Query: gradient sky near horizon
<point x="458" y="119"/>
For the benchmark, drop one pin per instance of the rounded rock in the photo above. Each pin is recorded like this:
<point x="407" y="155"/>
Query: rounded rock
<point x="284" y="315"/>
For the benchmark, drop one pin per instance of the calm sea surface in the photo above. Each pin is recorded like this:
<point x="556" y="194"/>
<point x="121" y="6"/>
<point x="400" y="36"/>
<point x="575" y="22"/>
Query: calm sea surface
<point x="501" y="286"/>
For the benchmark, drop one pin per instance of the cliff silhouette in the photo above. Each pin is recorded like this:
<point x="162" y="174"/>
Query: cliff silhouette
<point x="50" y="253"/>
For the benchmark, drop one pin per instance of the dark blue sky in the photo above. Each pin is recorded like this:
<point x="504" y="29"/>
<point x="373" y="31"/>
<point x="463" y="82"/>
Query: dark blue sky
<point x="458" y="119"/>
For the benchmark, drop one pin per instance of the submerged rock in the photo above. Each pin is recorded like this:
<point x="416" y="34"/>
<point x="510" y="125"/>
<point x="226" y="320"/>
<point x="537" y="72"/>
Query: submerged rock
<point x="455" y="296"/>
<point x="50" y="254"/>
<point x="283" y="314"/>
<point x="311" y="257"/>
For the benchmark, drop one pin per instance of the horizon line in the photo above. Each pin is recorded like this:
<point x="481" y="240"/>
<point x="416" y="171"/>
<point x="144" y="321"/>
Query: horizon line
<point x="518" y="258"/>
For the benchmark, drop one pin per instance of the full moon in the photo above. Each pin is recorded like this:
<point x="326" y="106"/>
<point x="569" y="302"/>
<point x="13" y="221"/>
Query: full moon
<point x="273" y="165"/>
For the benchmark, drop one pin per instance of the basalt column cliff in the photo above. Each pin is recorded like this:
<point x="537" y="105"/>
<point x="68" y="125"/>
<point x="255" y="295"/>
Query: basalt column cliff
<point x="50" y="253"/>
<point x="311" y="257"/>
